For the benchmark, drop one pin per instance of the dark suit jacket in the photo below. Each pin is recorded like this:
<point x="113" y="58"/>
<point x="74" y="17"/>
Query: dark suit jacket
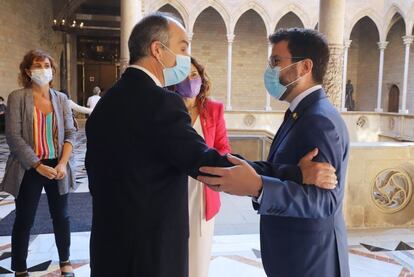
<point x="302" y="227"/>
<point x="140" y="149"/>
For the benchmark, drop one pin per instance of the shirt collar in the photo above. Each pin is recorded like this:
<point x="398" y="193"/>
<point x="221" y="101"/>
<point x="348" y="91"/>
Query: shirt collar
<point x="301" y="96"/>
<point x="155" y="79"/>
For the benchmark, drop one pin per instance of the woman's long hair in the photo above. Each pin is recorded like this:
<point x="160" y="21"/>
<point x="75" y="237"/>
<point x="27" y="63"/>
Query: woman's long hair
<point x="205" y="87"/>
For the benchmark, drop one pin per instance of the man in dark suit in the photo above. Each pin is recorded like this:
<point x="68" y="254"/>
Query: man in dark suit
<point x="140" y="149"/>
<point x="302" y="230"/>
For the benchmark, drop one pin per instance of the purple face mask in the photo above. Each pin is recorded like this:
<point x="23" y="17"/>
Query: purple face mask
<point x="189" y="88"/>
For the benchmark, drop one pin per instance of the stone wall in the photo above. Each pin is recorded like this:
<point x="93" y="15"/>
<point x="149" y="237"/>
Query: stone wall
<point x="25" y="25"/>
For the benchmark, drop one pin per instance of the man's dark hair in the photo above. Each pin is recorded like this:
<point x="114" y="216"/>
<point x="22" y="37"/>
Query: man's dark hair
<point x="305" y="44"/>
<point x="153" y="27"/>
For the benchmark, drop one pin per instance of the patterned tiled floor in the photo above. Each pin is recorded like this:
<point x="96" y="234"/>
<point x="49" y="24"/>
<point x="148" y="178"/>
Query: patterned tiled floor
<point x="236" y="246"/>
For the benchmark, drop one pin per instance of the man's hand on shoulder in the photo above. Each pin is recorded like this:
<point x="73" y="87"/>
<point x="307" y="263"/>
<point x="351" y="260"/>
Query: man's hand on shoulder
<point x="321" y="175"/>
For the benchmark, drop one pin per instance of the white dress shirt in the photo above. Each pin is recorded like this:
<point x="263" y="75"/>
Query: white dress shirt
<point x="156" y="80"/>
<point x="295" y="102"/>
<point x="92" y="101"/>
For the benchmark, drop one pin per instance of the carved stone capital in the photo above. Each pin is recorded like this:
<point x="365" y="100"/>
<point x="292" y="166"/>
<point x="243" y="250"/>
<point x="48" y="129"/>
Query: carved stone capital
<point x="230" y="38"/>
<point x="382" y="45"/>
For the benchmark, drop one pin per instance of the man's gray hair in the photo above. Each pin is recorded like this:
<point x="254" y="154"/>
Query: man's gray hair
<point x="96" y="91"/>
<point x="153" y="27"/>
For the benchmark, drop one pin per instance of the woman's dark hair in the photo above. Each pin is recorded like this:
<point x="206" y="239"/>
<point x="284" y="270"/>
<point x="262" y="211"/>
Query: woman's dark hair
<point x="27" y="62"/>
<point x="205" y="86"/>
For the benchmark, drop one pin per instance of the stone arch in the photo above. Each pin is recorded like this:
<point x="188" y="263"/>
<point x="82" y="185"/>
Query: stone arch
<point x="394" y="57"/>
<point x="391" y="17"/>
<point x="207" y="4"/>
<point x="255" y="7"/>
<point x="170" y="9"/>
<point x="363" y="63"/>
<point x="393" y="99"/>
<point x="176" y="4"/>
<point x="301" y="14"/>
<point x="410" y="20"/>
<point x="289" y="20"/>
<point x="250" y="50"/>
<point x="372" y="15"/>
<point x="209" y="46"/>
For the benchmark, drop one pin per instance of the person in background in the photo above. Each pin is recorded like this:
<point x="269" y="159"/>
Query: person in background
<point x="2" y="114"/>
<point x="94" y="99"/>
<point x="74" y="106"/>
<point x="40" y="134"/>
<point x="207" y="118"/>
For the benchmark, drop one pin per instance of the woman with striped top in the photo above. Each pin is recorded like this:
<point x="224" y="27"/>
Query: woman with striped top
<point x="40" y="134"/>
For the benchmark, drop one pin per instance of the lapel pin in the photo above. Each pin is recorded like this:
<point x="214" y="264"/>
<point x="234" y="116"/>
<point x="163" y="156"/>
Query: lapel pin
<point x="295" y="116"/>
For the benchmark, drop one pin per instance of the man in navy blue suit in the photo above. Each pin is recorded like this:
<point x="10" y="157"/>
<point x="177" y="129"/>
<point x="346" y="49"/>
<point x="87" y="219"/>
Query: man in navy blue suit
<point x="302" y="230"/>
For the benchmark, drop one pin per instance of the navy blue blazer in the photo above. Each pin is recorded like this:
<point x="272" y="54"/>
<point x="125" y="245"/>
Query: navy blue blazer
<point x="302" y="228"/>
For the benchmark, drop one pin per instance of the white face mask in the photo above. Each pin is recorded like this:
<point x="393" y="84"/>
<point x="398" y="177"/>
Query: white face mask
<point x="41" y="76"/>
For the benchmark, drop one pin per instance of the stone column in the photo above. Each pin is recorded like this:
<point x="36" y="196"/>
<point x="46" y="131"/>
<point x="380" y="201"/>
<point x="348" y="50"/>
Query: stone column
<point x="190" y="39"/>
<point x="408" y="40"/>
<point x="72" y="67"/>
<point x="268" y="107"/>
<point x="347" y="44"/>
<point x="64" y="63"/>
<point x="131" y="13"/>
<point x="381" y="45"/>
<point x="331" y="23"/>
<point x="230" y="39"/>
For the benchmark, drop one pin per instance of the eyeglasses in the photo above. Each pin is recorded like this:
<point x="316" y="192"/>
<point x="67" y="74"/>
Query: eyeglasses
<point x="275" y="60"/>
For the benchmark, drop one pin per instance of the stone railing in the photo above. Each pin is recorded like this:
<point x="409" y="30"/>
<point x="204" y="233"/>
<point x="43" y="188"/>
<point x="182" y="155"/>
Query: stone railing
<point x="379" y="182"/>
<point x="380" y="178"/>
<point x="362" y="126"/>
<point x="380" y="185"/>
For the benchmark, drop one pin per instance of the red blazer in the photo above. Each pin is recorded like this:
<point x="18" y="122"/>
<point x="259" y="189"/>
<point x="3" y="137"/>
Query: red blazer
<point x="215" y="135"/>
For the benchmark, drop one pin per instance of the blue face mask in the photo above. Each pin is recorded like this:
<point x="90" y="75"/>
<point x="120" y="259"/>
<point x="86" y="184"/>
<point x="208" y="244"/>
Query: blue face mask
<point x="178" y="73"/>
<point x="272" y="81"/>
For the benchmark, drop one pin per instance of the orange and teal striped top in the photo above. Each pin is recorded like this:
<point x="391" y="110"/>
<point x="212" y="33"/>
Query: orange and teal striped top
<point x="45" y="134"/>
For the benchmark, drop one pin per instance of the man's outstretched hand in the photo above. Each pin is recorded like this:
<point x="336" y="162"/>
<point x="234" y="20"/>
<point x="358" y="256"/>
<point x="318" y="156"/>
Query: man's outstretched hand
<point x="240" y="179"/>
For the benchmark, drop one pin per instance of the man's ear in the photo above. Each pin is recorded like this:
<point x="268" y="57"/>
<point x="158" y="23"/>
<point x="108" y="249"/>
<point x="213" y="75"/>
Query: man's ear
<point x="307" y="66"/>
<point x="156" y="49"/>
